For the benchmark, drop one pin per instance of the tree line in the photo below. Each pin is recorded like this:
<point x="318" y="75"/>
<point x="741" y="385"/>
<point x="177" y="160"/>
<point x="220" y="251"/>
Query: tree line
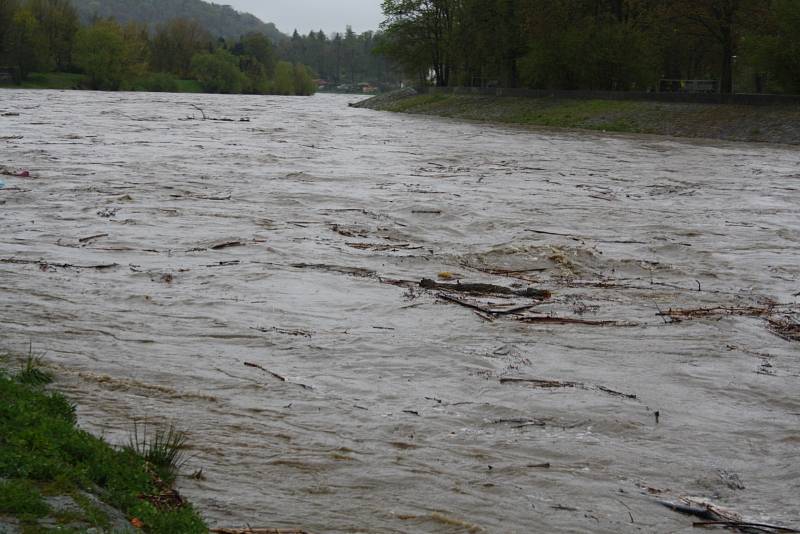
<point x="744" y="45"/>
<point x="343" y="59"/>
<point x="46" y="35"/>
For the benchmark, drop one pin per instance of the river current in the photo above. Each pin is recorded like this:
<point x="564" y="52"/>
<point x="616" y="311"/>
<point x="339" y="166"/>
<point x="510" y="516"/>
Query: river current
<point x="254" y="282"/>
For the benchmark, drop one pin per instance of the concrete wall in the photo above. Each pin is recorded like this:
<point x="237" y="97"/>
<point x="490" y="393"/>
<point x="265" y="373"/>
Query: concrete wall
<point x="696" y="98"/>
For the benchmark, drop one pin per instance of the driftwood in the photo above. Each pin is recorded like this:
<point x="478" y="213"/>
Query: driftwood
<point x="91" y="238"/>
<point x="521" y="421"/>
<point x="717" y="516"/>
<point x="223" y="263"/>
<point x="506" y="272"/>
<point x="701" y="509"/>
<point x="276" y="375"/>
<point x="717" y="311"/>
<point x="485" y="289"/>
<point x="218" y="119"/>
<point x="552" y="319"/>
<point x="785" y="327"/>
<point x="745" y="525"/>
<point x="358" y="272"/>
<point x="616" y="393"/>
<point x="383" y="247"/>
<point x="489" y="312"/>
<point x="44" y="265"/>
<point x="226" y="244"/>
<point x="540" y="383"/>
<point x="556" y="384"/>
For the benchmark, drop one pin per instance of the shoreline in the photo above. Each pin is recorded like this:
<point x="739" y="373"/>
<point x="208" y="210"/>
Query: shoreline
<point x="58" y="477"/>
<point x="775" y="124"/>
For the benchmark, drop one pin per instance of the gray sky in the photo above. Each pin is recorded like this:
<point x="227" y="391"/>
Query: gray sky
<point x="307" y="15"/>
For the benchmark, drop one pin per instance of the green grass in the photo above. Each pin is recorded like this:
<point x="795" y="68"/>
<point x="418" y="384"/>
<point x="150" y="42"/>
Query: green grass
<point x="32" y="372"/>
<point x="49" y="80"/>
<point x="189" y="86"/>
<point x="23" y="499"/>
<point x="65" y="80"/>
<point x="575" y="114"/>
<point x="43" y="451"/>
<point x="417" y="102"/>
<point x="609" y="115"/>
<point x="162" y="448"/>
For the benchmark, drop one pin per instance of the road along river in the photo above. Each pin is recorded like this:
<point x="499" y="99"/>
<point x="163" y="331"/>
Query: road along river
<point x="257" y="283"/>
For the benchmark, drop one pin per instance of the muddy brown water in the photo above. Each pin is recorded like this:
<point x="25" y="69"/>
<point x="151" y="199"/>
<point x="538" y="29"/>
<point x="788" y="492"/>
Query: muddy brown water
<point x="408" y="427"/>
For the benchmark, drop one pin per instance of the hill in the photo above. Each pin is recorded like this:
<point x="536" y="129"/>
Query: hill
<point x="221" y="21"/>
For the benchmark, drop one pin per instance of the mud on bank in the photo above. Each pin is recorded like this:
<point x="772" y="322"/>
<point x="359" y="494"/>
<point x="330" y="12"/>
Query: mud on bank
<point x="768" y="124"/>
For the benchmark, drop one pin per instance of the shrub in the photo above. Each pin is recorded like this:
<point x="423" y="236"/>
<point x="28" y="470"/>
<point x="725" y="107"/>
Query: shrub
<point x="218" y="72"/>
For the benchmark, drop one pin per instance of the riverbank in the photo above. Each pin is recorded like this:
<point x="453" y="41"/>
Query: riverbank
<point x="72" y="81"/>
<point x="768" y="124"/>
<point x="55" y="477"/>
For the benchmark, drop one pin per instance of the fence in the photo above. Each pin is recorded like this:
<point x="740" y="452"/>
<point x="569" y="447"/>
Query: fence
<point x="689" y="98"/>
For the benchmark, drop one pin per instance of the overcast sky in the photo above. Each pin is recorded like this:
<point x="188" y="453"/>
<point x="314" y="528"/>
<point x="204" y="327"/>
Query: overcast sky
<point x="307" y="15"/>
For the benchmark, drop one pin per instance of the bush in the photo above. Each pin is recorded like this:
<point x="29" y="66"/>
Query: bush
<point x="218" y="72"/>
<point x="100" y="52"/>
<point x="284" y="79"/>
<point x="158" y="82"/>
<point x="303" y="82"/>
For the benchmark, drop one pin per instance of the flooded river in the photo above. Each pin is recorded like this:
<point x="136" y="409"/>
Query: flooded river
<point x="180" y="270"/>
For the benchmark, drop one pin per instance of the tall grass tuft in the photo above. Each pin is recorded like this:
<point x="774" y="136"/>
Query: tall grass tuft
<point x="163" y="448"/>
<point x="32" y="372"/>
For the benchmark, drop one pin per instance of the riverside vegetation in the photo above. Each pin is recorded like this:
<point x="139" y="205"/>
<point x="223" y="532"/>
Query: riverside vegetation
<point x="771" y="124"/>
<point x="56" y="477"/>
<point x="744" y="45"/>
<point x="177" y="46"/>
<point x="47" y="37"/>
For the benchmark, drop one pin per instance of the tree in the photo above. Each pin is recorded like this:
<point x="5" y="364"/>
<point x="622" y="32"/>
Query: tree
<point x="218" y="72"/>
<point x="102" y="54"/>
<point x="774" y="48"/>
<point x="723" y="21"/>
<point x="431" y="24"/>
<point x="25" y="47"/>
<point x="175" y="44"/>
<point x="303" y="82"/>
<point x="259" y="47"/>
<point x="59" y="24"/>
<point x="7" y="10"/>
<point x="137" y="48"/>
<point x="284" y="79"/>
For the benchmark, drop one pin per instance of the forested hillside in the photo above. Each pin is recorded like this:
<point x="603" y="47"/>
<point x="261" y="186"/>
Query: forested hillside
<point x="219" y="20"/>
<point x="46" y="36"/>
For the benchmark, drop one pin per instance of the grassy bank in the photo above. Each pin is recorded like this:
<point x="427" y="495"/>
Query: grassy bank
<point x="64" y="80"/>
<point x="54" y="477"/>
<point x="773" y="124"/>
<point x="50" y="80"/>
